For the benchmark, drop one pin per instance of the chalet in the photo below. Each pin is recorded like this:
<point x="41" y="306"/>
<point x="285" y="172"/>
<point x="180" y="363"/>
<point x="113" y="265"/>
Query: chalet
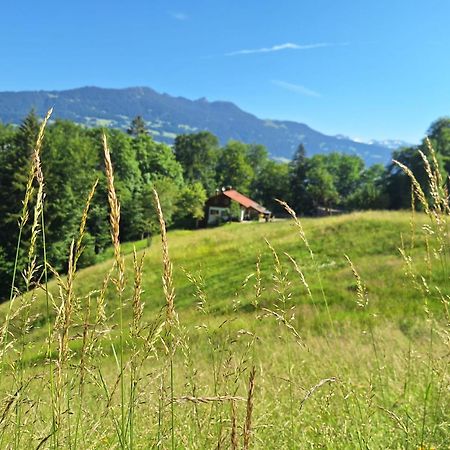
<point x="218" y="208"/>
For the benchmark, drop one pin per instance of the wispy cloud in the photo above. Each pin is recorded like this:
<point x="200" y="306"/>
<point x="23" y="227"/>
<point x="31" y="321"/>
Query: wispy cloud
<point x="178" y="15"/>
<point x="285" y="46"/>
<point x="297" y="88"/>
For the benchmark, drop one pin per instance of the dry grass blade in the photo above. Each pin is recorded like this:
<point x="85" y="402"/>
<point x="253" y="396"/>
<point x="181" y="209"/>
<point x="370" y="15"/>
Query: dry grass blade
<point x="114" y="215"/>
<point x="81" y="231"/>
<point x="85" y="344"/>
<point x="167" y="278"/>
<point x="300" y="273"/>
<point x="285" y="322"/>
<point x="233" y="435"/>
<point x="395" y="418"/>
<point x="31" y="269"/>
<point x="39" y="207"/>
<point x="362" y="299"/>
<point x="200" y="293"/>
<point x="282" y="284"/>
<point x="213" y="399"/>
<point x="9" y="403"/>
<point x="35" y="169"/>
<point x="277" y="264"/>
<point x="119" y="282"/>
<point x="101" y="300"/>
<point x="314" y="389"/>
<point x="34" y="172"/>
<point x="171" y="317"/>
<point x="138" y="306"/>
<point x="432" y="180"/>
<point x="298" y="224"/>
<point x="441" y="183"/>
<point x="258" y="283"/>
<point x="416" y="186"/>
<point x="64" y="318"/>
<point x="249" y="412"/>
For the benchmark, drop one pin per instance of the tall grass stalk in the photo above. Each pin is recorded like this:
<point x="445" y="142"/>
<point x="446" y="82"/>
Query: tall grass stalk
<point x="171" y="316"/>
<point x="136" y="328"/>
<point x="436" y="206"/>
<point x="282" y="288"/>
<point x="312" y="256"/>
<point x="119" y="282"/>
<point x="53" y="429"/>
<point x="23" y="220"/>
<point x="249" y="412"/>
<point x="78" y="250"/>
<point x="233" y="419"/>
<point x="29" y="274"/>
<point x="362" y="301"/>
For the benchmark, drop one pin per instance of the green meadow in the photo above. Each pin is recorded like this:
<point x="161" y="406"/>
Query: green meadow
<point x="325" y="333"/>
<point x="225" y="257"/>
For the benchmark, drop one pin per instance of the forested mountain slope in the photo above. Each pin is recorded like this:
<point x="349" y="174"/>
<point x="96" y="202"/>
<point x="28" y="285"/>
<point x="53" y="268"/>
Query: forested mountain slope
<point x="168" y="116"/>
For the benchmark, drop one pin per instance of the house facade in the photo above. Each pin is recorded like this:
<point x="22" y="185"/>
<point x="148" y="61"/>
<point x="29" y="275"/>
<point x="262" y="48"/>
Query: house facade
<point x="218" y="208"/>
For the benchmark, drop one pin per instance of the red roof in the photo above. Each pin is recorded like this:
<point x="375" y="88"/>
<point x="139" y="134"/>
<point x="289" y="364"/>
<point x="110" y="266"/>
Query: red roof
<point x="245" y="201"/>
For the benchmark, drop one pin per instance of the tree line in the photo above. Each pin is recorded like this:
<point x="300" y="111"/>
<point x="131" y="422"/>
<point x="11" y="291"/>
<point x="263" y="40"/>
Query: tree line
<point x="184" y="175"/>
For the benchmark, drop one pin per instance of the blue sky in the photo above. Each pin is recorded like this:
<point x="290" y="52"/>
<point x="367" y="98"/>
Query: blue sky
<point x="366" y="69"/>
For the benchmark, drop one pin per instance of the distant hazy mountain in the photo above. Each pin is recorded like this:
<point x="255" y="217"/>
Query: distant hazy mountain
<point x="391" y="143"/>
<point x="168" y="116"/>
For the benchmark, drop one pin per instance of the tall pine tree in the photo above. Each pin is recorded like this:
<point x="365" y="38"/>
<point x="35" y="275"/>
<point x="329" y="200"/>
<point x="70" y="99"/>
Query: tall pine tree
<point x="301" y="199"/>
<point x="16" y="159"/>
<point x="137" y="127"/>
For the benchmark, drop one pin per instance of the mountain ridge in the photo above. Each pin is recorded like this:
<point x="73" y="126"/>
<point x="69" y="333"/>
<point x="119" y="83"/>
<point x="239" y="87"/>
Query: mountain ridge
<point x="167" y="116"/>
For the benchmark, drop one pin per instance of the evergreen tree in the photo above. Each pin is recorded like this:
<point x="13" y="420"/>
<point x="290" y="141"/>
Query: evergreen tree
<point x="137" y="127"/>
<point x="16" y="150"/>
<point x="300" y="198"/>
<point x="16" y="166"/>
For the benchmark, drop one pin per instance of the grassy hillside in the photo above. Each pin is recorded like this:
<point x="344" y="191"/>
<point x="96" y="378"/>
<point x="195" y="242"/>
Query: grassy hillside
<point x="224" y="257"/>
<point x="254" y="359"/>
